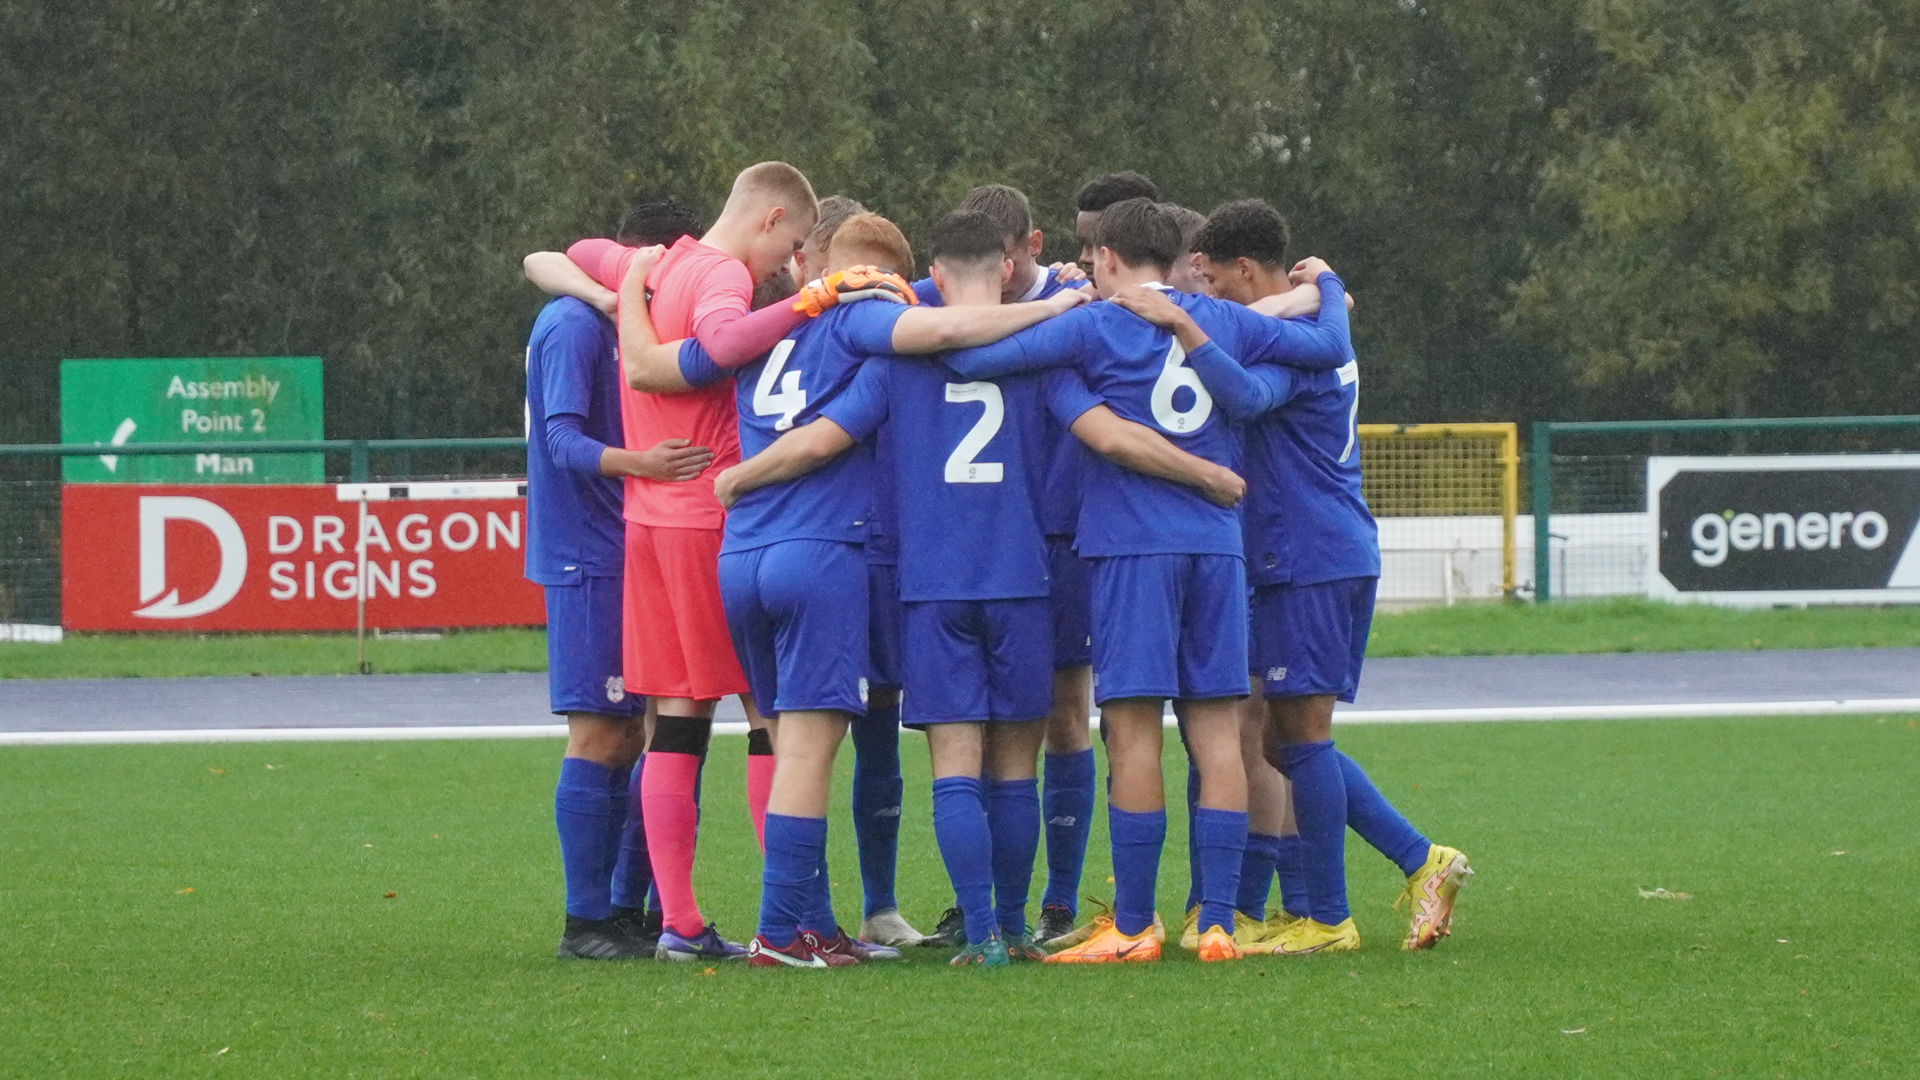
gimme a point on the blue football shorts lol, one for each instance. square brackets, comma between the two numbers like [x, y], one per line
[797, 613]
[883, 625]
[1311, 639]
[977, 660]
[1169, 626]
[1071, 580]
[583, 649]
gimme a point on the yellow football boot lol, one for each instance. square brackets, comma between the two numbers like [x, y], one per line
[1217, 944]
[1190, 929]
[1278, 920]
[1109, 946]
[1432, 890]
[1306, 937]
[1102, 919]
[1253, 936]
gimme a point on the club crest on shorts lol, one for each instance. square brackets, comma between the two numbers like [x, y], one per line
[616, 688]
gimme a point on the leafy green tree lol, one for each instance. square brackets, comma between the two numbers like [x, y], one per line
[1743, 186]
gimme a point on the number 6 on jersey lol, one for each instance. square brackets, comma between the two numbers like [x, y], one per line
[961, 468]
[1175, 374]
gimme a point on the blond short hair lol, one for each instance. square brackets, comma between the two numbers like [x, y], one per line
[869, 239]
[775, 183]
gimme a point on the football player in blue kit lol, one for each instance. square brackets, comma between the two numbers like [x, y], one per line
[1068, 789]
[1169, 584]
[1313, 554]
[574, 462]
[792, 572]
[969, 468]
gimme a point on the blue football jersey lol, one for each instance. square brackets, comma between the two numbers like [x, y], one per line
[1304, 518]
[1067, 457]
[789, 387]
[574, 527]
[1139, 371]
[968, 466]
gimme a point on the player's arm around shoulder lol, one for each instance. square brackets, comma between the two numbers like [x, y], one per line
[1321, 342]
[1240, 393]
[646, 363]
[556, 275]
[853, 414]
[1134, 446]
[923, 329]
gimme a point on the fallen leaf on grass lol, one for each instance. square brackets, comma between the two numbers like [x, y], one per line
[706, 971]
[1780, 940]
[216, 772]
[1839, 853]
[222, 1050]
[183, 892]
[1662, 894]
[1573, 1031]
[390, 895]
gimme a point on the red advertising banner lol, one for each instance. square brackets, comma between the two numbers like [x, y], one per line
[289, 556]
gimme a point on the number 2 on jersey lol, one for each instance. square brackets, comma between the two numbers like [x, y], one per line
[1349, 372]
[1174, 375]
[961, 468]
[789, 398]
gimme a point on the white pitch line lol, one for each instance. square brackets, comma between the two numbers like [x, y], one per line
[1689, 710]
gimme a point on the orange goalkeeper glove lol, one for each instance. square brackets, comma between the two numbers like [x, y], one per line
[853, 283]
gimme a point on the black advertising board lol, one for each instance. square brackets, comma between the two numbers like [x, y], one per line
[1808, 529]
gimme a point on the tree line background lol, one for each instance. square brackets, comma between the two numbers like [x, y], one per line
[1548, 209]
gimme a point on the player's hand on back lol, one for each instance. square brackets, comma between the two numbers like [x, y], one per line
[1309, 269]
[1069, 274]
[724, 487]
[1225, 488]
[671, 461]
[1152, 305]
[853, 283]
[1067, 299]
[644, 260]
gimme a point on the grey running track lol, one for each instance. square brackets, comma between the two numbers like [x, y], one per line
[1402, 687]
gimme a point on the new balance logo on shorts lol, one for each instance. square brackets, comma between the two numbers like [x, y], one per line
[1276, 674]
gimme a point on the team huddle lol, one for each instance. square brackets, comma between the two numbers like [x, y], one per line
[764, 461]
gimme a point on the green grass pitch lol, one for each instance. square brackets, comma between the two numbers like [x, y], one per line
[225, 910]
[1622, 624]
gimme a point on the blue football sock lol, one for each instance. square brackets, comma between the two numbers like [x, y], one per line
[877, 790]
[1288, 863]
[1067, 805]
[1256, 874]
[619, 808]
[1220, 836]
[1378, 823]
[1137, 840]
[795, 846]
[632, 873]
[1013, 817]
[580, 814]
[1193, 849]
[1320, 807]
[819, 917]
[966, 846]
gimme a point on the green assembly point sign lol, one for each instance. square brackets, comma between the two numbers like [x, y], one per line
[109, 403]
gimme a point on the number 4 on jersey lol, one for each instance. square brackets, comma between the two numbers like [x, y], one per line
[961, 468]
[789, 398]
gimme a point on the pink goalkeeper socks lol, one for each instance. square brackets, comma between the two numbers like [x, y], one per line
[671, 819]
[759, 787]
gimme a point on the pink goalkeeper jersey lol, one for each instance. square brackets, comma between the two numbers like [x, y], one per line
[693, 285]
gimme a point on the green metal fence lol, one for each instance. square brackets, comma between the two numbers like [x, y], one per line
[30, 494]
[1587, 483]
